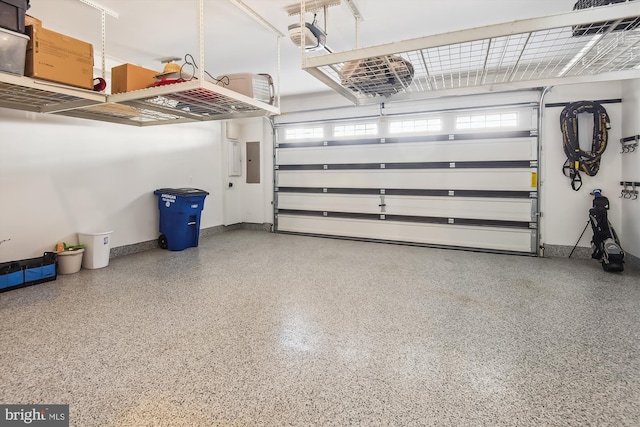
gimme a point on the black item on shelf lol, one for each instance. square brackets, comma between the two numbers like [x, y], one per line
[601, 27]
[12, 14]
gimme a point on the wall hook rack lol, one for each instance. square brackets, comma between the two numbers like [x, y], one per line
[629, 144]
[630, 190]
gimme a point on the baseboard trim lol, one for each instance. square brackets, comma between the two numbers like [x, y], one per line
[204, 232]
[559, 251]
[550, 251]
[133, 248]
[257, 226]
[632, 261]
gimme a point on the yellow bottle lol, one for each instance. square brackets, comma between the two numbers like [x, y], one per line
[60, 247]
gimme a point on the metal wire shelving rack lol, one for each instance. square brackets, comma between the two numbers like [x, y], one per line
[596, 44]
[190, 101]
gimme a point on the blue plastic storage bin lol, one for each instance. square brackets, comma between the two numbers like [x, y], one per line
[32, 271]
[11, 275]
[40, 269]
[180, 210]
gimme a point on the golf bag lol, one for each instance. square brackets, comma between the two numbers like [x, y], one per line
[605, 243]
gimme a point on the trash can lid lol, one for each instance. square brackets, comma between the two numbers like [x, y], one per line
[181, 191]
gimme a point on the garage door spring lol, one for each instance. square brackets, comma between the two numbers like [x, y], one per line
[579, 160]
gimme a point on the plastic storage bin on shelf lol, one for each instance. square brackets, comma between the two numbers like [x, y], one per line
[180, 210]
[97, 249]
[13, 51]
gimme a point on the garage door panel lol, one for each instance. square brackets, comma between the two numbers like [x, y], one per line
[461, 177]
[518, 240]
[449, 179]
[439, 151]
[446, 207]
[329, 202]
[477, 208]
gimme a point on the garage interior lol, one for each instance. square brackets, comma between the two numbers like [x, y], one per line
[385, 239]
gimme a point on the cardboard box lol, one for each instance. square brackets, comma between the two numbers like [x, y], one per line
[128, 77]
[58, 58]
[30, 20]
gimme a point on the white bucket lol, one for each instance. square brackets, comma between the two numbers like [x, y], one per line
[98, 246]
[69, 262]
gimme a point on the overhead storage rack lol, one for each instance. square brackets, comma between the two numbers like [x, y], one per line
[189, 101]
[588, 45]
[176, 103]
[28, 94]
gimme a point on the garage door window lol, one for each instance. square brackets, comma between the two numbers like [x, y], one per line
[412, 126]
[355, 130]
[304, 133]
[484, 121]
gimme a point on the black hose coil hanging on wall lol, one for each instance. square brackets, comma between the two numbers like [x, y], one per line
[577, 159]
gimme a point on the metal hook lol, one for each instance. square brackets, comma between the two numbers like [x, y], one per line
[629, 144]
[630, 190]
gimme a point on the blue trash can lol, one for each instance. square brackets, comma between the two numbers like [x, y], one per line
[180, 210]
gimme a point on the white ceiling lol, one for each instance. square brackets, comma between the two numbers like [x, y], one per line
[234, 43]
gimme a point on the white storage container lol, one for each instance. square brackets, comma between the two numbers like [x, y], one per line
[69, 262]
[13, 51]
[256, 86]
[98, 246]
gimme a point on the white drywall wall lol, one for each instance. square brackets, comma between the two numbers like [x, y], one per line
[60, 176]
[313, 101]
[630, 232]
[232, 184]
[257, 198]
[564, 211]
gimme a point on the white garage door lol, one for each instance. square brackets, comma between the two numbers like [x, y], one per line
[463, 178]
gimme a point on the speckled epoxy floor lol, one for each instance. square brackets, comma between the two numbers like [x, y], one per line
[257, 329]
